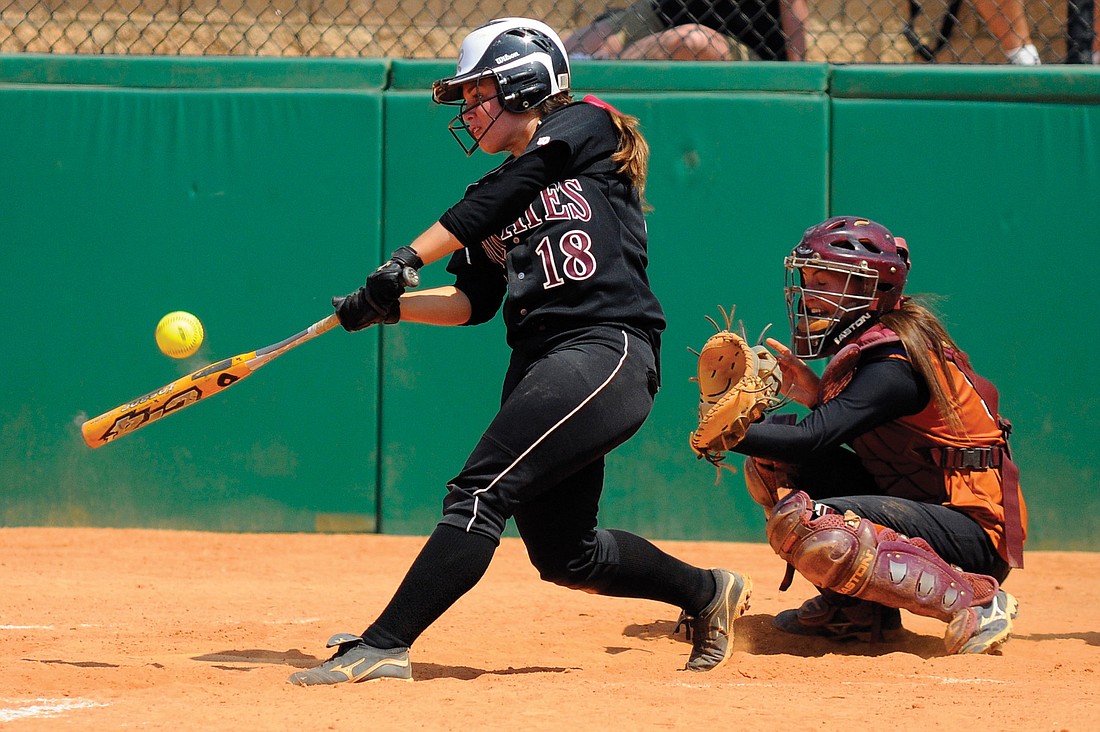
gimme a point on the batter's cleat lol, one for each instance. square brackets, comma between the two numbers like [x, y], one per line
[355, 661]
[982, 629]
[711, 632]
[819, 616]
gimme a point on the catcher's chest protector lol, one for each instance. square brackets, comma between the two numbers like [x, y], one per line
[922, 458]
[842, 366]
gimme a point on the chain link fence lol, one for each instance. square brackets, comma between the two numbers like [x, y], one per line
[836, 31]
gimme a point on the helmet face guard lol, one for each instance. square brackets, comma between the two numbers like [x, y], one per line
[525, 59]
[841, 277]
[823, 316]
[458, 124]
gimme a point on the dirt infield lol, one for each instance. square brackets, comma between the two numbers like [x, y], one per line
[118, 629]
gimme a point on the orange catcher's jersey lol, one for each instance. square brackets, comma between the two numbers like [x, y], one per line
[921, 457]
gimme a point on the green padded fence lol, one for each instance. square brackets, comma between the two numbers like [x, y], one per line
[248, 206]
[249, 191]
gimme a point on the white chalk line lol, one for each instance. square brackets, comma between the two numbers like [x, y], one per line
[953, 680]
[769, 684]
[50, 627]
[43, 708]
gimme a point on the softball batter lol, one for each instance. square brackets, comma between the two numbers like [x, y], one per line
[555, 237]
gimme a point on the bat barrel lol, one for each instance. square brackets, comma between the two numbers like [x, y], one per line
[170, 398]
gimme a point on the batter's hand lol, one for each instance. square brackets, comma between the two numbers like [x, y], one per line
[360, 310]
[800, 382]
[379, 299]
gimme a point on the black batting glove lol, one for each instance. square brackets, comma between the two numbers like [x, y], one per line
[387, 284]
[406, 257]
[357, 312]
[379, 299]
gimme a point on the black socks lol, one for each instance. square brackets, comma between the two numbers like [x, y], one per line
[450, 564]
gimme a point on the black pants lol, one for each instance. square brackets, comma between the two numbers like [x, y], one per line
[566, 404]
[541, 460]
[839, 480]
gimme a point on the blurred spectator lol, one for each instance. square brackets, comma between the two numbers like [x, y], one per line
[1082, 32]
[1008, 23]
[1096, 34]
[695, 30]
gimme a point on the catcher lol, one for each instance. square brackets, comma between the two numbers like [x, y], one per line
[897, 491]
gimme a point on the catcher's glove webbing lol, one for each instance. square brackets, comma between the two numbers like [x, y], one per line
[738, 383]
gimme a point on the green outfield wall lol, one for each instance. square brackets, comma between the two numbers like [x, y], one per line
[249, 191]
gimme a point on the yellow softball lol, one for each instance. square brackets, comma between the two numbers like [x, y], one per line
[179, 334]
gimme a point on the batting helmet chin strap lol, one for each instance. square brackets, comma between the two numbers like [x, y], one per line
[850, 555]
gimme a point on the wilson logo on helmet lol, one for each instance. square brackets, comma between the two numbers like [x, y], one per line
[525, 59]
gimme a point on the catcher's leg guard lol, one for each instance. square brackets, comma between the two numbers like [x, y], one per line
[765, 479]
[839, 617]
[850, 555]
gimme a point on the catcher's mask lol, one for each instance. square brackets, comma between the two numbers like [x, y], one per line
[844, 273]
[525, 59]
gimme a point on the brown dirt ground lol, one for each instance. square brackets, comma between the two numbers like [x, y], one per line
[117, 629]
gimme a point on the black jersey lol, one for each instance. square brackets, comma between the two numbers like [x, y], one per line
[557, 235]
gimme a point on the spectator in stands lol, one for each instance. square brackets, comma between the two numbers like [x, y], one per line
[1096, 33]
[1007, 21]
[695, 30]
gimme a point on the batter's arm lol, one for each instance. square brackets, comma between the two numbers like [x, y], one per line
[445, 305]
[439, 305]
[435, 243]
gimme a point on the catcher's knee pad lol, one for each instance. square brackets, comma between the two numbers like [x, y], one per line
[850, 555]
[764, 479]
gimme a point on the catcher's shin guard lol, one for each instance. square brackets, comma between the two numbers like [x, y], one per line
[850, 555]
[764, 479]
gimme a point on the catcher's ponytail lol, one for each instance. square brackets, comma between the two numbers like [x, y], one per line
[925, 339]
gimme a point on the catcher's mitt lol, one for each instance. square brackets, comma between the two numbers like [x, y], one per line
[738, 383]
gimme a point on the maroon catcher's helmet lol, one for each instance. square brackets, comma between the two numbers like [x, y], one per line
[844, 273]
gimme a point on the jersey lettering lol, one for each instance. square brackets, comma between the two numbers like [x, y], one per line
[578, 204]
[551, 201]
[574, 206]
[551, 278]
[563, 201]
[494, 249]
[579, 262]
[529, 220]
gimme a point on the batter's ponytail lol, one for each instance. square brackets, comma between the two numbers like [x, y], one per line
[633, 153]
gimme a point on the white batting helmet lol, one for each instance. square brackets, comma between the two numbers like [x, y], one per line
[525, 57]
